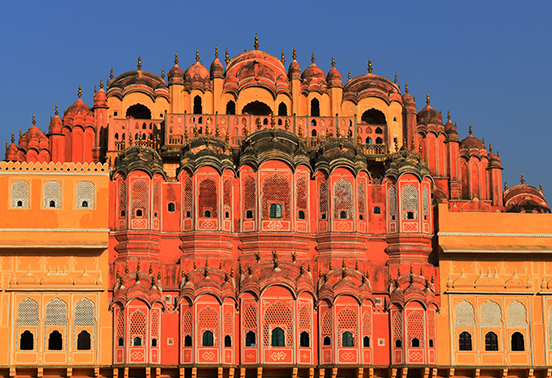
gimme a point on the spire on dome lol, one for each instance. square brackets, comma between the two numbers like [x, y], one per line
[333, 62]
[197, 55]
[111, 74]
[57, 112]
[226, 57]
[175, 58]
[427, 98]
[395, 78]
[34, 120]
[490, 147]
[216, 52]
[294, 53]
[256, 45]
[470, 130]
[369, 65]
[80, 92]
[349, 75]
[101, 83]
[283, 58]
[505, 185]
[139, 63]
[312, 58]
[540, 187]
[163, 73]
[95, 89]
[405, 87]
[13, 137]
[522, 179]
[448, 115]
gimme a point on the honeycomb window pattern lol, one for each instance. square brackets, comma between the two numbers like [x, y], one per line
[392, 200]
[397, 326]
[120, 325]
[188, 197]
[56, 313]
[122, 197]
[304, 317]
[208, 198]
[361, 198]
[425, 200]
[208, 321]
[464, 315]
[27, 313]
[409, 201]
[187, 323]
[249, 195]
[137, 326]
[227, 194]
[52, 195]
[140, 197]
[326, 324]
[517, 315]
[366, 323]
[415, 327]
[302, 193]
[84, 313]
[228, 323]
[343, 199]
[431, 325]
[550, 328]
[155, 324]
[156, 198]
[85, 195]
[323, 197]
[278, 315]
[20, 195]
[491, 315]
[250, 318]
[276, 189]
[347, 321]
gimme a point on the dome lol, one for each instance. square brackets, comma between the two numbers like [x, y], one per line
[525, 199]
[100, 98]
[139, 158]
[313, 78]
[137, 77]
[197, 76]
[313, 71]
[371, 85]
[78, 114]
[216, 70]
[472, 142]
[429, 116]
[176, 76]
[56, 125]
[450, 130]
[34, 138]
[334, 77]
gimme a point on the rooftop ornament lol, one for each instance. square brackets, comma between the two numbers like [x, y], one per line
[369, 65]
[256, 45]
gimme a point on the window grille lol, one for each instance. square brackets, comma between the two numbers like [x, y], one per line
[426, 200]
[84, 313]
[302, 193]
[27, 313]
[156, 198]
[208, 321]
[250, 318]
[20, 194]
[343, 198]
[188, 198]
[516, 315]
[304, 317]
[431, 325]
[392, 200]
[208, 197]
[227, 193]
[490, 315]
[465, 341]
[550, 328]
[366, 323]
[139, 197]
[326, 324]
[278, 314]
[85, 195]
[415, 327]
[56, 313]
[464, 315]
[52, 195]
[276, 190]
[138, 326]
[409, 201]
[249, 195]
[323, 198]
[154, 324]
[120, 325]
[361, 198]
[122, 197]
[228, 323]
[397, 327]
[347, 321]
[491, 341]
[187, 323]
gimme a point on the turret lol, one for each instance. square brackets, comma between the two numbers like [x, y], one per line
[100, 120]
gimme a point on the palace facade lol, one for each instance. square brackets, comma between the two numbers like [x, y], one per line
[256, 220]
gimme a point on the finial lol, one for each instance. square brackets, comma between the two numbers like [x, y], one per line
[163, 73]
[427, 98]
[333, 62]
[498, 154]
[312, 57]
[139, 63]
[522, 179]
[20, 132]
[175, 58]
[405, 87]
[256, 45]
[294, 53]
[540, 187]
[34, 120]
[226, 57]
[369, 65]
[448, 115]
[197, 55]
[111, 74]
[216, 52]
[80, 92]
[57, 112]
[286, 124]
[95, 89]
[101, 83]
[490, 147]
[13, 137]
[283, 58]
[483, 141]
[470, 130]
[396, 78]
[505, 185]
[349, 75]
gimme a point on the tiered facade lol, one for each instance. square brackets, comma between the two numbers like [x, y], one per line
[254, 220]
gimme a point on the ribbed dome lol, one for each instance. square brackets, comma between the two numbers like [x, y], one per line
[100, 99]
[56, 125]
[313, 71]
[216, 70]
[294, 71]
[196, 72]
[428, 116]
[472, 142]
[78, 114]
[334, 78]
[176, 76]
[137, 77]
[450, 129]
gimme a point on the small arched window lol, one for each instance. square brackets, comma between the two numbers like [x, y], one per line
[278, 337]
[491, 341]
[83, 341]
[379, 140]
[366, 342]
[327, 340]
[137, 341]
[19, 203]
[249, 214]
[398, 343]
[26, 342]
[282, 109]
[304, 339]
[171, 207]
[379, 130]
[208, 340]
[55, 341]
[250, 339]
[231, 107]
[368, 140]
[415, 343]
[139, 213]
[153, 342]
[409, 215]
[347, 339]
[226, 214]
[518, 344]
[343, 214]
[188, 341]
[431, 343]
[313, 123]
[227, 341]
[313, 132]
[84, 204]
[465, 341]
[315, 108]
[121, 342]
[275, 210]
[207, 213]
[377, 210]
[301, 214]
[198, 107]
[116, 136]
[52, 203]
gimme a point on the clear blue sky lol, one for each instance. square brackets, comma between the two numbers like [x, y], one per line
[488, 62]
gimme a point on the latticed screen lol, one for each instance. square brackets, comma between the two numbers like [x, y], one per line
[397, 327]
[490, 315]
[425, 201]
[276, 189]
[250, 318]
[415, 327]
[347, 321]
[302, 194]
[208, 321]
[27, 313]
[326, 324]
[155, 324]
[139, 197]
[187, 323]
[208, 198]
[278, 315]
[409, 201]
[85, 195]
[361, 198]
[343, 199]
[56, 313]
[249, 195]
[122, 197]
[188, 198]
[228, 324]
[20, 195]
[392, 200]
[366, 323]
[227, 193]
[464, 315]
[137, 325]
[84, 313]
[323, 198]
[516, 315]
[52, 195]
[156, 197]
[304, 317]
[120, 325]
[431, 325]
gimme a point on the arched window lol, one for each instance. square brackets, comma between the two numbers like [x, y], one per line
[26, 342]
[257, 108]
[313, 123]
[313, 132]
[121, 342]
[275, 210]
[373, 116]
[139, 213]
[398, 344]
[368, 140]
[138, 111]
[226, 214]
[491, 341]
[347, 339]
[327, 341]
[153, 342]
[52, 194]
[377, 210]
[208, 340]
[415, 343]
[278, 337]
[20, 194]
[83, 341]
[137, 341]
[282, 109]
[249, 214]
[431, 343]
[227, 341]
[517, 342]
[188, 341]
[171, 207]
[379, 140]
[85, 194]
[379, 130]
[304, 339]
[198, 108]
[55, 341]
[315, 108]
[343, 215]
[366, 342]
[301, 214]
[250, 339]
[207, 214]
[231, 107]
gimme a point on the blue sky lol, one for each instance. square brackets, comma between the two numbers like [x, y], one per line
[488, 62]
